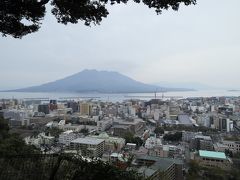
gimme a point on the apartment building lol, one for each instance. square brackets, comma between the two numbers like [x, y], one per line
[233, 146]
[66, 137]
[155, 168]
[90, 147]
[135, 126]
[200, 142]
[111, 143]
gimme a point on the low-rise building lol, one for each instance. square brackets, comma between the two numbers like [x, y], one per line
[111, 143]
[153, 142]
[133, 125]
[166, 151]
[185, 120]
[188, 136]
[41, 139]
[16, 117]
[220, 147]
[233, 146]
[213, 159]
[77, 128]
[90, 147]
[66, 137]
[200, 142]
[104, 124]
[120, 130]
[154, 168]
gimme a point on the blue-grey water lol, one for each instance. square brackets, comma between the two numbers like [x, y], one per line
[118, 97]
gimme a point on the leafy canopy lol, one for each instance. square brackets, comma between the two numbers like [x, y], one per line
[12, 144]
[21, 17]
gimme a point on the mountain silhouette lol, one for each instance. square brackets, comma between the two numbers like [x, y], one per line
[96, 81]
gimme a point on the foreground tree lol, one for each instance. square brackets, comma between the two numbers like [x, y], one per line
[60, 167]
[130, 138]
[21, 161]
[173, 137]
[12, 144]
[21, 17]
[159, 130]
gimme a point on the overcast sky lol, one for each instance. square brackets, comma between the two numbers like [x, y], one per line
[195, 44]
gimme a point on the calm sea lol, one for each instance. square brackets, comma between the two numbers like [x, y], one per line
[118, 97]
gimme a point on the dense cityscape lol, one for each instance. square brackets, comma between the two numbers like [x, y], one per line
[191, 138]
[119, 90]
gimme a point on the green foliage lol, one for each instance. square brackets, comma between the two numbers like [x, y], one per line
[15, 156]
[20, 161]
[138, 141]
[61, 167]
[84, 131]
[12, 144]
[193, 171]
[235, 173]
[91, 123]
[13, 12]
[130, 138]
[229, 153]
[236, 155]
[173, 137]
[99, 170]
[197, 172]
[54, 132]
[159, 130]
[4, 128]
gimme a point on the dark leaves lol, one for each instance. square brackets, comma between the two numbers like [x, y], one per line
[13, 14]
[74, 10]
[21, 17]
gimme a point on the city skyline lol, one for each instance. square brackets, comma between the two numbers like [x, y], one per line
[119, 89]
[195, 44]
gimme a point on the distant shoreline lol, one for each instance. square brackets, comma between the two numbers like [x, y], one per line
[99, 92]
[119, 96]
[233, 90]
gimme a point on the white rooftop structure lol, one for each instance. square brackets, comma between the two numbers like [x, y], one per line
[88, 140]
[62, 122]
[68, 132]
[203, 137]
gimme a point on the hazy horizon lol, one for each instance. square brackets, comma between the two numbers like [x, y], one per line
[186, 85]
[197, 44]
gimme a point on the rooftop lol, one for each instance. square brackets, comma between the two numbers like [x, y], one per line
[146, 171]
[121, 126]
[203, 137]
[184, 119]
[212, 154]
[155, 158]
[68, 132]
[161, 164]
[88, 140]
